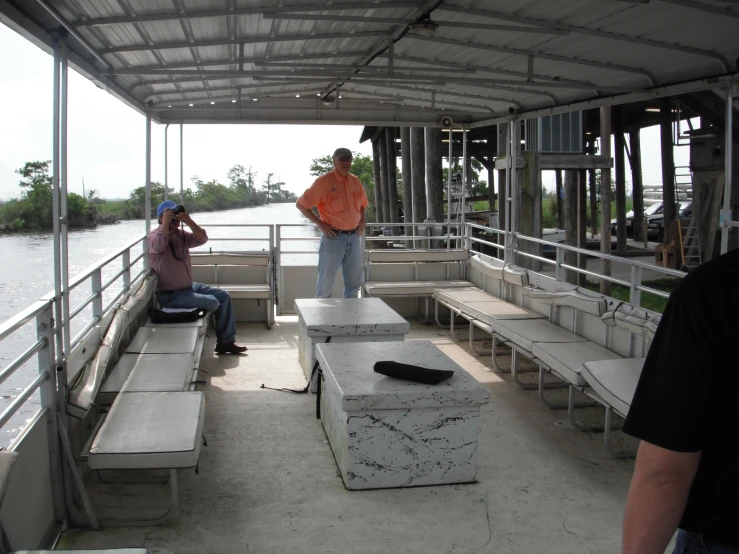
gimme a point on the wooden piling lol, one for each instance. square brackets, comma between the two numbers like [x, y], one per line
[379, 216]
[570, 215]
[392, 178]
[637, 183]
[668, 161]
[405, 158]
[434, 175]
[560, 200]
[418, 174]
[620, 163]
[382, 144]
[605, 199]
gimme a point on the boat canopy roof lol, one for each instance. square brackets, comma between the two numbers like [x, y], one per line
[396, 63]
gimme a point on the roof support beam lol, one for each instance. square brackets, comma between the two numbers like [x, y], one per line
[228, 42]
[196, 14]
[703, 7]
[596, 32]
[405, 21]
[519, 52]
[434, 94]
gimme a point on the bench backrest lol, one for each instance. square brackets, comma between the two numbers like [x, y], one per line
[233, 268]
[406, 256]
[231, 258]
[490, 267]
[125, 320]
[630, 318]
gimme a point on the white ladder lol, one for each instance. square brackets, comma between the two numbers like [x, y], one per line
[690, 247]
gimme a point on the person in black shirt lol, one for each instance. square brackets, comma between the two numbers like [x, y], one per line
[686, 411]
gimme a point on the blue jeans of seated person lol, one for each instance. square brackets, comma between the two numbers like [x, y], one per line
[340, 251]
[693, 543]
[207, 298]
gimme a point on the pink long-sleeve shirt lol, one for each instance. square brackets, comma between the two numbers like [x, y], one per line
[173, 272]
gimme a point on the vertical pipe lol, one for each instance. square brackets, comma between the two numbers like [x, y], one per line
[728, 159]
[560, 199]
[449, 183]
[55, 171]
[507, 222]
[379, 216]
[392, 182]
[637, 183]
[571, 229]
[502, 141]
[668, 163]
[464, 170]
[434, 175]
[405, 158]
[182, 165]
[620, 163]
[166, 159]
[382, 145]
[418, 173]
[147, 205]
[515, 143]
[63, 211]
[605, 199]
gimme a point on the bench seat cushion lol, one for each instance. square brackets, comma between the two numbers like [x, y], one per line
[614, 381]
[490, 311]
[456, 297]
[410, 288]
[241, 292]
[566, 359]
[524, 333]
[150, 430]
[149, 373]
[163, 340]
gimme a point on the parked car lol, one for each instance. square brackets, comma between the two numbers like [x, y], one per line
[655, 220]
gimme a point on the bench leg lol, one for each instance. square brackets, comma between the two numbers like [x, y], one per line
[171, 513]
[494, 354]
[528, 386]
[571, 415]
[425, 319]
[269, 314]
[471, 336]
[77, 517]
[607, 439]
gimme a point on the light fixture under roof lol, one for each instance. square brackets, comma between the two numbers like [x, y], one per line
[233, 101]
[190, 105]
[424, 26]
[254, 99]
[297, 96]
[212, 103]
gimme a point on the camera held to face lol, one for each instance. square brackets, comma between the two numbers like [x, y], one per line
[178, 209]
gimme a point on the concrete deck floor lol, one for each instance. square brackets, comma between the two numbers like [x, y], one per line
[268, 481]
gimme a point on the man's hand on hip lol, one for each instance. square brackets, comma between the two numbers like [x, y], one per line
[327, 229]
[360, 227]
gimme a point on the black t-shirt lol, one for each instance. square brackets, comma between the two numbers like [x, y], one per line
[687, 399]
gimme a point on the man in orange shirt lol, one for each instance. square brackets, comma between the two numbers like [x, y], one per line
[341, 201]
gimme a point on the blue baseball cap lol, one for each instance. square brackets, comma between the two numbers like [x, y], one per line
[167, 204]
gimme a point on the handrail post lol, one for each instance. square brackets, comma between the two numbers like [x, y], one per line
[51, 394]
[126, 262]
[278, 265]
[96, 284]
[559, 273]
[635, 293]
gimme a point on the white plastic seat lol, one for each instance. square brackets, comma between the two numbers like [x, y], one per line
[490, 311]
[566, 359]
[457, 297]
[240, 292]
[148, 373]
[410, 288]
[524, 333]
[162, 340]
[150, 430]
[200, 323]
[614, 381]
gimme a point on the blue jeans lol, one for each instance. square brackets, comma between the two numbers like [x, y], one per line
[340, 251]
[693, 543]
[208, 298]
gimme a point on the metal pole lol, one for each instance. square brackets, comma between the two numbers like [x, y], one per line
[182, 171]
[449, 193]
[64, 215]
[507, 222]
[55, 171]
[166, 158]
[147, 205]
[728, 155]
[464, 169]
[514, 185]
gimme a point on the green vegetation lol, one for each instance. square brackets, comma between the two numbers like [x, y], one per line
[648, 300]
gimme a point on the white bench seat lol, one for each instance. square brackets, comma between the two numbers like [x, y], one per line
[566, 359]
[614, 381]
[490, 311]
[163, 340]
[457, 297]
[200, 323]
[410, 288]
[240, 292]
[148, 373]
[524, 333]
[150, 430]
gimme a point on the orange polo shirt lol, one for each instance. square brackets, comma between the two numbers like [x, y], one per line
[338, 199]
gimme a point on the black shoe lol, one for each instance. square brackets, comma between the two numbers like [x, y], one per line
[229, 348]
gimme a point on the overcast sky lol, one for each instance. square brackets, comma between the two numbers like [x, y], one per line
[107, 138]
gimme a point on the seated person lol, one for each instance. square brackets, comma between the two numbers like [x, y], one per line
[169, 259]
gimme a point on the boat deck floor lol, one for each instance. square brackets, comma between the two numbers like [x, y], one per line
[268, 481]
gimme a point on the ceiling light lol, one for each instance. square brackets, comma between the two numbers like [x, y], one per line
[253, 99]
[424, 27]
[341, 96]
[318, 94]
[190, 105]
[233, 101]
[169, 106]
[297, 96]
[212, 103]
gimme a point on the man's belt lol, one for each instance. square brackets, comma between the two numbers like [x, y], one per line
[342, 232]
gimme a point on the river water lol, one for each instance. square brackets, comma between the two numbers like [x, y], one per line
[27, 274]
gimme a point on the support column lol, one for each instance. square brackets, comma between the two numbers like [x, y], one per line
[605, 199]
[582, 223]
[405, 158]
[392, 183]
[620, 162]
[529, 222]
[560, 200]
[570, 215]
[502, 132]
[728, 168]
[166, 164]
[418, 174]
[637, 183]
[434, 175]
[491, 175]
[379, 216]
[182, 164]
[56, 208]
[63, 194]
[382, 146]
[668, 162]
[593, 194]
